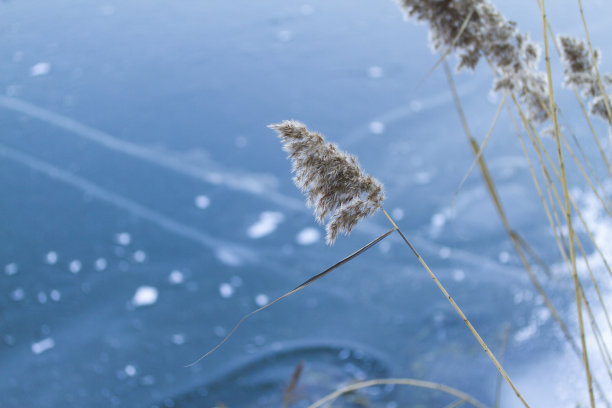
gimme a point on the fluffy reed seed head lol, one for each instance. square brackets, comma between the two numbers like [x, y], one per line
[331, 179]
[581, 74]
[487, 34]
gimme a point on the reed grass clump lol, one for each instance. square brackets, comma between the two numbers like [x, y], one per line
[581, 74]
[342, 194]
[333, 181]
[473, 30]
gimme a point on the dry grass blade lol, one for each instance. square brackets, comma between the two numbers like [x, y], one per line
[478, 155]
[501, 358]
[567, 206]
[296, 289]
[398, 381]
[456, 404]
[290, 390]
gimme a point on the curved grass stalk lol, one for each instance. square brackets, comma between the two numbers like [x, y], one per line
[397, 381]
[295, 290]
[458, 310]
[456, 404]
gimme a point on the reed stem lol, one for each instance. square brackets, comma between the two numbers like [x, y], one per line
[567, 209]
[459, 311]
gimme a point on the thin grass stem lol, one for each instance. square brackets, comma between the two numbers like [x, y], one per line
[397, 381]
[567, 207]
[295, 290]
[514, 237]
[459, 311]
[501, 358]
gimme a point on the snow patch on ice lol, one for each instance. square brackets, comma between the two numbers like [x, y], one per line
[145, 296]
[43, 345]
[267, 223]
[308, 236]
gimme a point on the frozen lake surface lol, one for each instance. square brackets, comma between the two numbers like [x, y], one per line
[145, 207]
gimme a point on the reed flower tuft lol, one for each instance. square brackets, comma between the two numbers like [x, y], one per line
[487, 34]
[581, 74]
[333, 181]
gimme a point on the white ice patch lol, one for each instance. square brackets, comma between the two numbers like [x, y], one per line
[176, 277]
[526, 332]
[226, 290]
[458, 275]
[51, 257]
[55, 295]
[145, 296]
[202, 201]
[42, 68]
[398, 214]
[376, 127]
[75, 266]
[308, 236]
[11, 269]
[438, 220]
[178, 339]
[100, 264]
[375, 72]
[445, 252]
[43, 345]
[130, 370]
[422, 178]
[18, 294]
[261, 300]
[140, 256]
[267, 223]
[228, 257]
[123, 238]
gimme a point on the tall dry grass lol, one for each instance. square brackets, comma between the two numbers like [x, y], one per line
[475, 32]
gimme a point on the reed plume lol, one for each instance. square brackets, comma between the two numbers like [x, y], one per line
[473, 29]
[581, 74]
[332, 179]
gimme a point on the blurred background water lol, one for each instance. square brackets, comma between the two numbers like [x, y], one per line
[145, 207]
